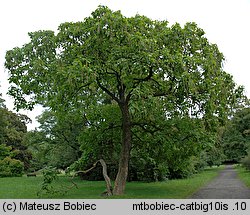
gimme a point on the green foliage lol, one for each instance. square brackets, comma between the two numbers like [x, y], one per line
[101, 139]
[172, 150]
[56, 143]
[136, 81]
[215, 156]
[244, 174]
[236, 138]
[246, 162]
[4, 151]
[12, 150]
[1, 101]
[199, 162]
[36, 143]
[13, 131]
[11, 167]
[184, 138]
[241, 120]
[49, 176]
[146, 168]
[109, 55]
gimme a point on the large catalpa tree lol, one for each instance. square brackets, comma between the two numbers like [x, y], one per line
[136, 63]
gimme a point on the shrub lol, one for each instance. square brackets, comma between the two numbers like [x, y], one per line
[146, 169]
[181, 169]
[246, 162]
[200, 161]
[4, 151]
[11, 167]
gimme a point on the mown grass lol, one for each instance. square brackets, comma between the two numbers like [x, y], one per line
[27, 188]
[243, 174]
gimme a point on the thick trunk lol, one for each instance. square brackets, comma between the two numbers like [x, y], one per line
[121, 178]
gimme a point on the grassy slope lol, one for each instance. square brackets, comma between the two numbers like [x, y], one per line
[27, 187]
[244, 175]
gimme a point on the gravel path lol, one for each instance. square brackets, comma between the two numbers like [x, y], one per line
[225, 186]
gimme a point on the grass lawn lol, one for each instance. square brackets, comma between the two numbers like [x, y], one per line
[27, 187]
[243, 174]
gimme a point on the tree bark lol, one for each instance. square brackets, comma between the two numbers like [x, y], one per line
[105, 175]
[121, 178]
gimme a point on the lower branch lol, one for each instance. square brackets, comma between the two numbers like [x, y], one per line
[109, 191]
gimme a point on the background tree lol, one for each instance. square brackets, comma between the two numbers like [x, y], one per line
[137, 63]
[14, 132]
[14, 156]
[2, 120]
[55, 142]
[236, 136]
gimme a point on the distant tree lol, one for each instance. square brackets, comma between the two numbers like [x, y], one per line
[13, 154]
[37, 144]
[12, 130]
[4, 151]
[1, 101]
[64, 129]
[55, 142]
[137, 63]
[236, 137]
[2, 120]
[241, 120]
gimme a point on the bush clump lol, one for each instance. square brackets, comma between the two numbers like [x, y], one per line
[10, 167]
[246, 162]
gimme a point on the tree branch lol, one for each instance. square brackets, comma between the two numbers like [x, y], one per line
[150, 75]
[159, 94]
[151, 131]
[69, 142]
[119, 85]
[140, 80]
[134, 134]
[112, 127]
[112, 95]
[104, 172]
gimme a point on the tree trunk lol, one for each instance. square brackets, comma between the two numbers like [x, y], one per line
[121, 178]
[106, 177]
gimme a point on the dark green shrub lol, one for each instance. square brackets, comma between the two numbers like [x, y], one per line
[181, 169]
[246, 162]
[200, 161]
[11, 167]
[4, 151]
[215, 156]
[146, 169]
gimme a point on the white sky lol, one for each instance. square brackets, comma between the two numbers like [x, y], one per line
[226, 23]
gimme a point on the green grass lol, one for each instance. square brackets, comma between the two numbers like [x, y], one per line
[243, 174]
[27, 187]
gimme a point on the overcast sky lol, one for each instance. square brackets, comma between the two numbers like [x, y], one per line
[226, 23]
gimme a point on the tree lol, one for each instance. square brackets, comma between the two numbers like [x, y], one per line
[2, 120]
[12, 130]
[13, 133]
[136, 63]
[13, 154]
[64, 129]
[236, 136]
[1, 101]
[55, 142]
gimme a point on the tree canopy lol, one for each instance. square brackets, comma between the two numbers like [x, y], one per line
[236, 136]
[55, 142]
[14, 156]
[147, 70]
